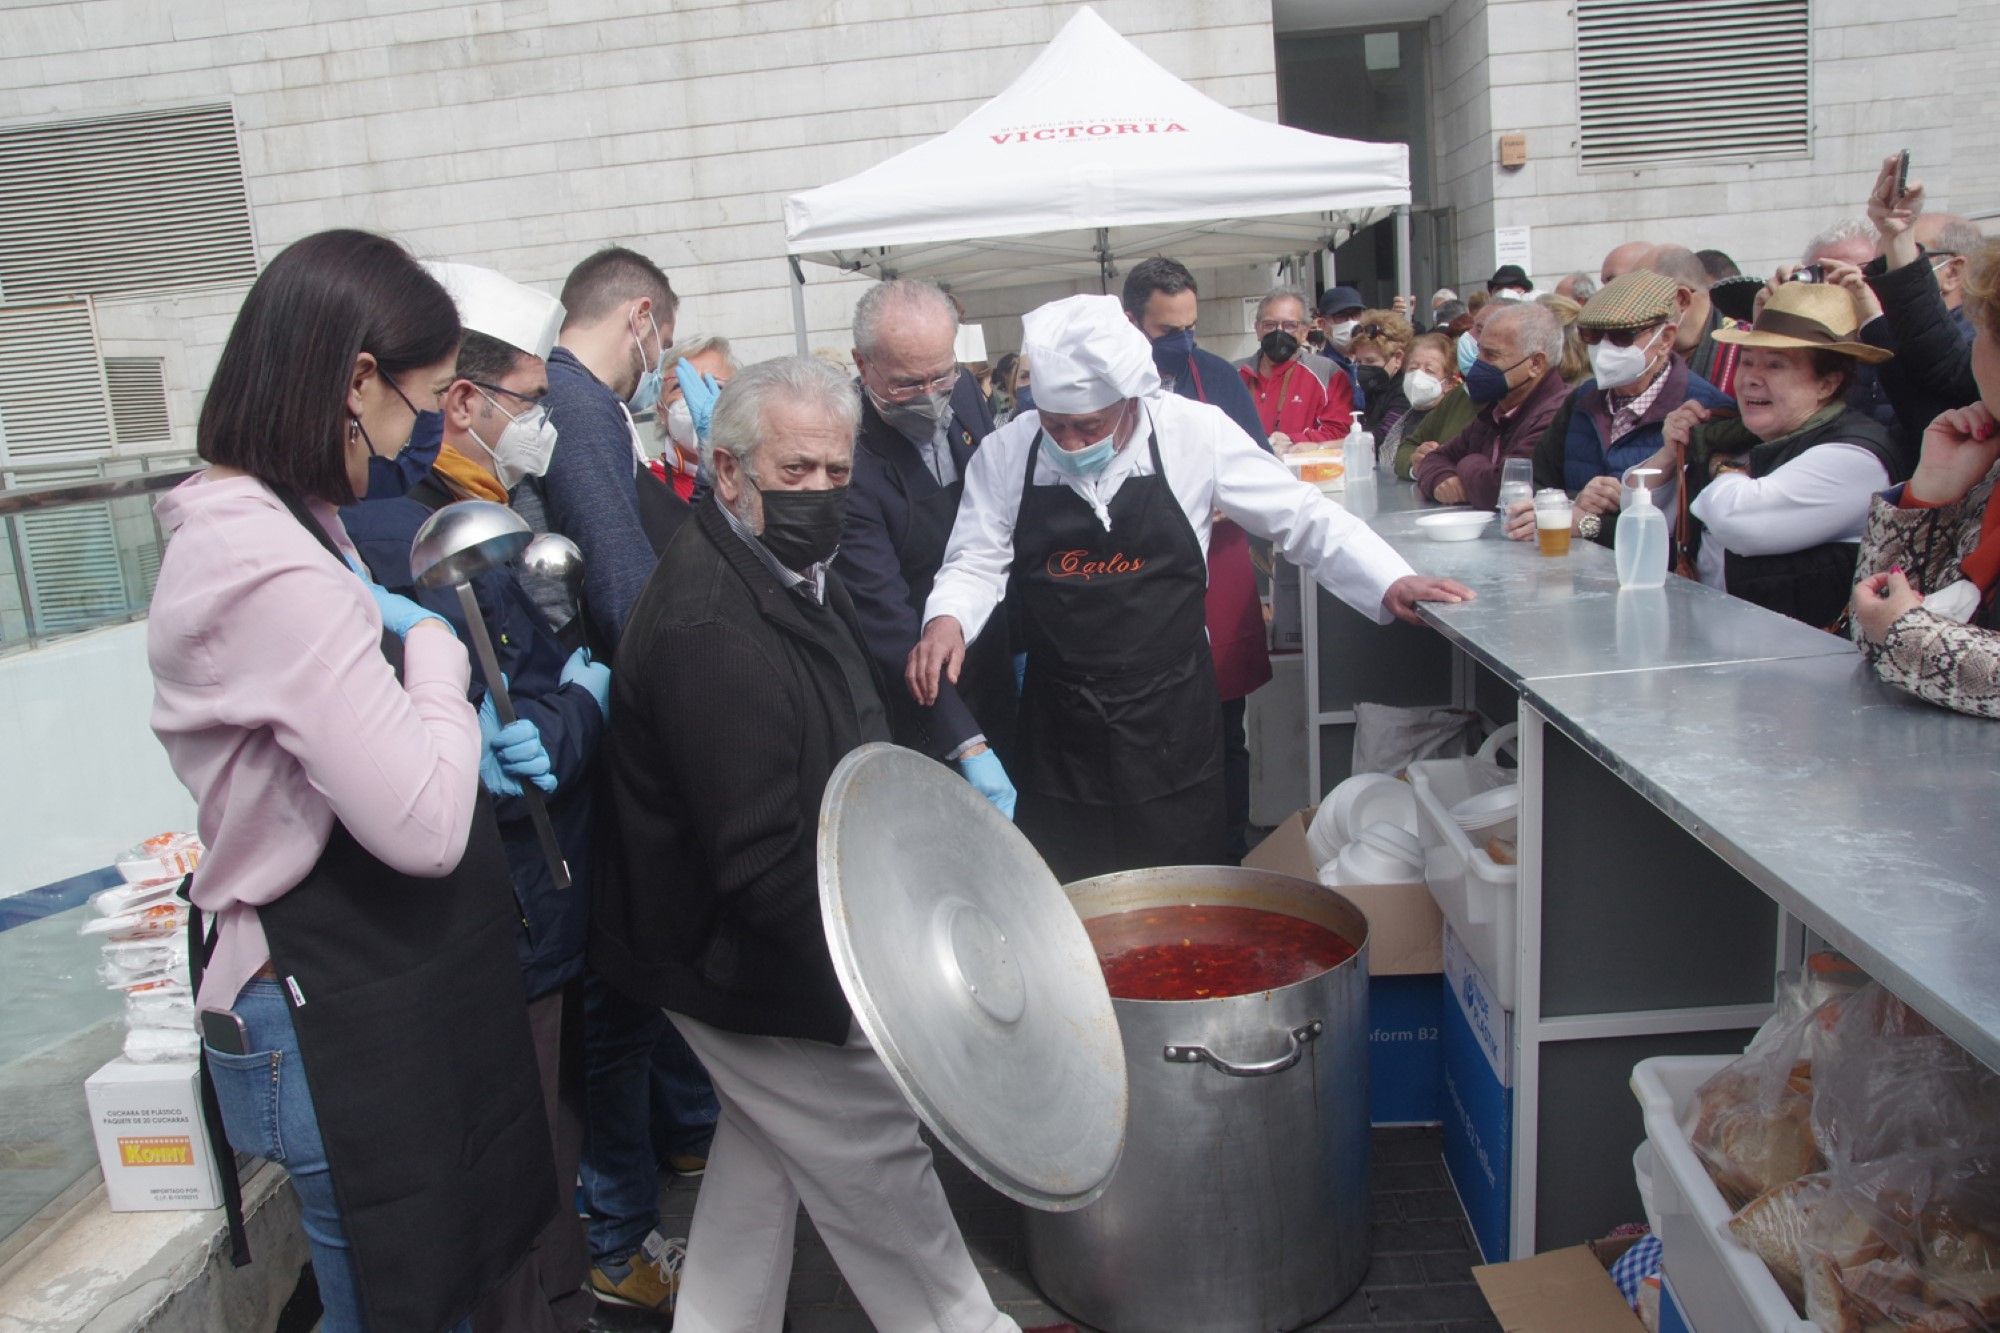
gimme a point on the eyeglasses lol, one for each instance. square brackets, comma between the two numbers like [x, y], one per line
[1617, 337]
[1374, 331]
[909, 393]
[1291, 326]
[530, 398]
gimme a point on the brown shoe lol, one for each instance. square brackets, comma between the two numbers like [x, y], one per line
[649, 1278]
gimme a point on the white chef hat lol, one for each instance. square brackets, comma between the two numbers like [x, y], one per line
[499, 307]
[1084, 355]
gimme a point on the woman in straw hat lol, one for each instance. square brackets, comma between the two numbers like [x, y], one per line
[1925, 613]
[1780, 495]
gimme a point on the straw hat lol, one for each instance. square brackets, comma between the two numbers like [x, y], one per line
[1811, 315]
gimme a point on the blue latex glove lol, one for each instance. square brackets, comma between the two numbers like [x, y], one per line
[512, 752]
[989, 779]
[1020, 674]
[593, 676]
[400, 615]
[700, 390]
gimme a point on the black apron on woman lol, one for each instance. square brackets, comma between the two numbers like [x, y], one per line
[406, 996]
[986, 680]
[1119, 737]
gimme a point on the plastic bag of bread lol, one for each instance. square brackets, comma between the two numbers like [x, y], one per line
[1911, 1241]
[1751, 1124]
[1772, 1226]
[1888, 1082]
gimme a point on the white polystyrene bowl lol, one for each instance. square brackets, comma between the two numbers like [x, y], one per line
[1460, 525]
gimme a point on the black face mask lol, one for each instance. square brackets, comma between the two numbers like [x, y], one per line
[802, 528]
[1373, 379]
[1279, 346]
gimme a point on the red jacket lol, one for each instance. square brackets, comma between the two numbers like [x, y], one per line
[1295, 400]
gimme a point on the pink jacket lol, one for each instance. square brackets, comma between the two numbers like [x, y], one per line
[280, 714]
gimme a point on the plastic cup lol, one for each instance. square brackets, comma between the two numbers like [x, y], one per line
[1552, 520]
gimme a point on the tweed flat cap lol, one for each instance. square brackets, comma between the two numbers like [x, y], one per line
[1630, 301]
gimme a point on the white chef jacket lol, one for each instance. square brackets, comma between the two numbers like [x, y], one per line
[1211, 464]
[1821, 496]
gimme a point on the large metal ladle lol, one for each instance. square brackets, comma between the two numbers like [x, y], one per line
[555, 557]
[454, 546]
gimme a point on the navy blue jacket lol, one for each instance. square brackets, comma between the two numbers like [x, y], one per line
[889, 475]
[554, 923]
[1571, 453]
[1220, 385]
[590, 493]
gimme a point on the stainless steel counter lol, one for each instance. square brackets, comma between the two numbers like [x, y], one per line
[1863, 812]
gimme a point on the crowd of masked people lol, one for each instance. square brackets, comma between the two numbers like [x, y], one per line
[1822, 440]
[476, 1059]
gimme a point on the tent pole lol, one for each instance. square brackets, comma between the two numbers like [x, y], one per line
[798, 303]
[1403, 251]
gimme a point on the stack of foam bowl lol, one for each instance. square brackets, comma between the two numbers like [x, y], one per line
[1365, 833]
[1490, 814]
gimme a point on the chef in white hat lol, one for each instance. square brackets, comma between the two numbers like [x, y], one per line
[1099, 504]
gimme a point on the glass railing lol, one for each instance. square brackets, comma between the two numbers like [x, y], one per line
[79, 546]
[79, 550]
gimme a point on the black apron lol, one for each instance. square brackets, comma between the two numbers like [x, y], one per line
[406, 995]
[1119, 710]
[986, 680]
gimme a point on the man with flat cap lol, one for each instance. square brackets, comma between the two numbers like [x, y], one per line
[1615, 420]
[1099, 505]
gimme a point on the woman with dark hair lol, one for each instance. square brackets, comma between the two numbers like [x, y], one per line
[362, 1013]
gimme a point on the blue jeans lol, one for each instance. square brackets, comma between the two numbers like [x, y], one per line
[628, 1092]
[268, 1112]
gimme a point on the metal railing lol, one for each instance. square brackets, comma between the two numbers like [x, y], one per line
[80, 553]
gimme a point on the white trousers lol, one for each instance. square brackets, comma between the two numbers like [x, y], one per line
[803, 1120]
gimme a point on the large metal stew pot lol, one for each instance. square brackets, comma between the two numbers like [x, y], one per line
[1241, 1201]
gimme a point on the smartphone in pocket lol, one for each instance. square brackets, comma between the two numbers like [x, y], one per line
[222, 1031]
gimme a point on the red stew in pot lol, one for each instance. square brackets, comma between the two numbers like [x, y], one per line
[1206, 953]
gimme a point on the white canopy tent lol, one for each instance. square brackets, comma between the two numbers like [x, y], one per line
[1093, 157]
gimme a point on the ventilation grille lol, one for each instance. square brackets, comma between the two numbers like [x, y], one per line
[52, 397]
[1693, 80]
[139, 203]
[138, 388]
[75, 576]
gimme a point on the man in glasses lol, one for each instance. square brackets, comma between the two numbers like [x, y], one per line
[1615, 420]
[497, 432]
[921, 419]
[1300, 400]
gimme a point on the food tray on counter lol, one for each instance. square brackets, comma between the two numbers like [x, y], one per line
[1722, 1287]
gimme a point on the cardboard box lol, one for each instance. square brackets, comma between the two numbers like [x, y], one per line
[1562, 1291]
[150, 1140]
[1478, 1048]
[1405, 990]
[1405, 928]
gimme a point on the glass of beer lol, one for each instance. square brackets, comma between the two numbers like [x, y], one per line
[1552, 520]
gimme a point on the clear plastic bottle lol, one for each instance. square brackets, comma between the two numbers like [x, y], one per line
[1640, 547]
[1357, 453]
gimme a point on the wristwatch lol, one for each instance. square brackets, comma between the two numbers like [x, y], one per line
[1589, 526]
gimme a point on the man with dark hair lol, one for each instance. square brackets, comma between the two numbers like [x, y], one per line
[1160, 298]
[608, 364]
[496, 432]
[598, 492]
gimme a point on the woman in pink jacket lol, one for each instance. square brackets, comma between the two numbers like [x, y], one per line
[362, 1012]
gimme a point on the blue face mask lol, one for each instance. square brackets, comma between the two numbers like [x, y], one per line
[1468, 352]
[1486, 383]
[1085, 462]
[1173, 348]
[389, 478]
[650, 381]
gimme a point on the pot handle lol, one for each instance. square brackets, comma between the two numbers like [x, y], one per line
[1201, 1055]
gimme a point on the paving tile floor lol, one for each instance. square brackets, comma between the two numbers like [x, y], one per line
[1420, 1280]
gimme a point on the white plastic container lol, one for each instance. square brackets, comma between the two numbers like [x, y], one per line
[1722, 1287]
[1640, 545]
[1477, 895]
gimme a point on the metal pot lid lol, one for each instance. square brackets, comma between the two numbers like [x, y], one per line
[973, 977]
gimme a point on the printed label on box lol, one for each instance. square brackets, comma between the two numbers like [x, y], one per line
[1491, 1026]
[1405, 1055]
[174, 1150]
[1478, 1133]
